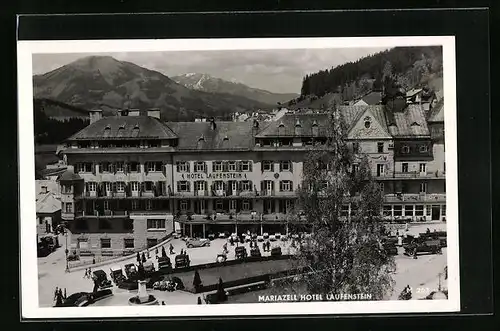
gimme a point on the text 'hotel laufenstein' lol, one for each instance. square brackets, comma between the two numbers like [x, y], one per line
[131, 177]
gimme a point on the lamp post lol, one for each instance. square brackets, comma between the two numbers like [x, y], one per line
[66, 251]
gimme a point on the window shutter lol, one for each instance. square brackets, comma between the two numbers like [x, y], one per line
[189, 186]
[93, 168]
[128, 189]
[250, 166]
[272, 185]
[188, 204]
[224, 166]
[146, 167]
[291, 185]
[143, 186]
[238, 165]
[114, 186]
[281, 185]
[262, 185]
[177, 166]
[281, 166]
[262, 166]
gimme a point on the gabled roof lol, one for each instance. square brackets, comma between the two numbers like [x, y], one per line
[51, 185]
[69, 175]
[437, 112]
[408, 123]
[47, 203]
[372, 98]
[413, 92]
[53, 172]
[200, 136]
[352, 114]
[125, 127]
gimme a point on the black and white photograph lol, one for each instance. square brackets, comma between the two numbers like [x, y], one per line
[238, 177]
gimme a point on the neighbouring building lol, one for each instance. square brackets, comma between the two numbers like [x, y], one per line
[370, 99]
[48, 206]
[130, 178]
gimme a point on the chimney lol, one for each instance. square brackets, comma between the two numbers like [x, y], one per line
[154, 112]
[95, 115]
[255, 127]
[212, 124]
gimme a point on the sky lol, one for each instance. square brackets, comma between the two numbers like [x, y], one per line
[279, 71]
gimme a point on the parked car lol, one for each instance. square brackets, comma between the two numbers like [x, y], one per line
[148, 268]
[436, 235]
[277, 235]
[182, 261]
[211, 236]
[272, 237]
[221, 257]
[164, 263]
[390, 248]
[284, 237]
[276, 251]
[240, 252]
[131, 271]
[247, 237]
[101, 279]
[198, 242]
[254, 236]
[116, 274]
[295, 236]
[255, 252]
[222, 235]
[260, 238]
[265, 235]
[423, 246]
[234, 236]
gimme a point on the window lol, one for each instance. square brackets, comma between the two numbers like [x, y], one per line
[128, 243]
[368, 122]
[91, 186]
[423, 187]
[355, 147]
[245, 166]
[380, 170]
[232, 204]
[267, 165]
[183, 205]
[428, 211]
[423, 149]
[231, 166]
[381, 187]
[104, 224]
[408, 210]
[69, 207]
[153, 166]
[419, 210]
[245, 205]
[398, 210]
[134, 166]
[182, 166]
[443, 210]
[199, 167]
[148, 186]
[156, 224]
[246, 185]
[387, 210]
[105, 167]
[405, 149]
[149, 204]
[120, 187]
[67, 188]
[154, 143]
[355, 168]
[105, 243]
[422, 167]
[183, 186]
[200, 185]
[286, 186]
[134, 186]
[217, 166]
[285, 166]
[84, 167]
[128, 224]
[380, 147]
[404, 167]
[219, 205]
[106, 205]
[218, 185]
[135, 204]
[119, 166]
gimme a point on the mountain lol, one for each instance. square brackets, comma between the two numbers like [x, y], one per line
[404, 67]
[207, 83]
[108, 84]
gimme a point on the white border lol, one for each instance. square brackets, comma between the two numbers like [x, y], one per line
[29, 279]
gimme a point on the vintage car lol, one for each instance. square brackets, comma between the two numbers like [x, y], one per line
[198, 242]
[277, 235]
[254, 236]
[116, 274]
[211, 236]
[240, 252]
[272, 237]
[222, 235]
[255, 251]
[235, 237]
[101, 280]
[390, 248]
[182, 261]
[436, 235]
[164, 263]
[420, 245]
[276, 251]
[260, 238]
[131, 271]
[284, 237]
[265, 235]
[149, 268]
[221, 257]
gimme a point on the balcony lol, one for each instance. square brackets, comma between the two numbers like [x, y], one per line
[419, 175]
[201, 193]
[412, 197]
[124, 194]
[105, 214]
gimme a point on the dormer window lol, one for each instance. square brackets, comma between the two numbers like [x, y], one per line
[107, 131]
[368, 122]
[315, 128]
[226, 138]
[415, 124]
[298, 128]
[201, 138]
[135, 130]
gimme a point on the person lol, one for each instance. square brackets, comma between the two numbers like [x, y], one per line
[428, 230]
[225, 248]
[61, 293]
[93, 260]
[86, 273]
[163, 303]
[171, 248]
[56, 292]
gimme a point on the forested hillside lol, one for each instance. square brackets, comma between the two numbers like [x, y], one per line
[407, 67]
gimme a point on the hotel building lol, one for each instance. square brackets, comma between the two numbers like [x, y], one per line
[132, 177]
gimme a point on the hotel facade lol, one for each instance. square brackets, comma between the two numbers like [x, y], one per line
[132, 177]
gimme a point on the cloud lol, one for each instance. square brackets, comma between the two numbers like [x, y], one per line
[273, 70]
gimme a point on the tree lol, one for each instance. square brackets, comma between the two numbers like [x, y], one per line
[197, 280]
[344, 253]
[221, 292]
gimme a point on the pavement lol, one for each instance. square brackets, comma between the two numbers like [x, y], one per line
[420, 274]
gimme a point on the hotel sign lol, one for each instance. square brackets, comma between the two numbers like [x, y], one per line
[215, 175]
